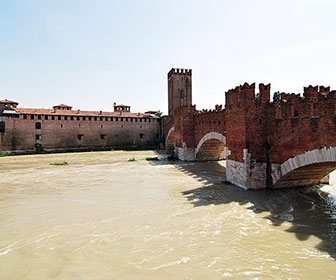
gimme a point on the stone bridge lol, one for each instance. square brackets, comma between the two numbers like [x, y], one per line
[287, 142]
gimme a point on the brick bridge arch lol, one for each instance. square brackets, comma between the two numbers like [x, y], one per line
[170, 139]
[211, 147]
[305, 169]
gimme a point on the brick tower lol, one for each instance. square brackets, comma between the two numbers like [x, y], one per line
[179, 89]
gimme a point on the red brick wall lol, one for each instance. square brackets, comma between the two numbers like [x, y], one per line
[299, 124]
[184, 123]
[209, 121]
[279, 130]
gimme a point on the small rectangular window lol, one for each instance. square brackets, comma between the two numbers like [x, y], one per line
[38, 137]
[71, 118]
[89, 118]
[65, 118]
[95, 118]
[157, 136]
[59, 118]
[100, 118]
[102, 136]
[142, 135]
[24, 116]
[80, 137]
[46, 117]
[78, 118]
[32, 117]
[83, 118]
[106, 119]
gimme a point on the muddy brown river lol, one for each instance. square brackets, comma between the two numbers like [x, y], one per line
[104, 217]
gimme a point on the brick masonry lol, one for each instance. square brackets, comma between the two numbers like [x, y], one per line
[262, 137]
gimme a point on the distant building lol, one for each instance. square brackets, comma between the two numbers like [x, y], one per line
[64, 128]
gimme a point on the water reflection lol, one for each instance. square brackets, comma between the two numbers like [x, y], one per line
[309, 210]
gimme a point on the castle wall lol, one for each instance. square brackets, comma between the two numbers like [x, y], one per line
[20, 134]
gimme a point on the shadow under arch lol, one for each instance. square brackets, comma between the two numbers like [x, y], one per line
[211, 147]
[308, 210]
[305, 169]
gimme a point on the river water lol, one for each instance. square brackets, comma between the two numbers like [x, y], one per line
[104, 217]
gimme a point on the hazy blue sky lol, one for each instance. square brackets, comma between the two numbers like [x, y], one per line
[89, 53]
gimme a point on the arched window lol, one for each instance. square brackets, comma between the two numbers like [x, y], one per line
[38, 125]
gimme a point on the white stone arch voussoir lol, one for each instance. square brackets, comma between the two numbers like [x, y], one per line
[169, 132]
[315, 156]
[208, 136]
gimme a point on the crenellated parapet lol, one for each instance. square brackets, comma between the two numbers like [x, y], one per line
[210, 118]
[315, 102]
[179, 71]
[245, 96]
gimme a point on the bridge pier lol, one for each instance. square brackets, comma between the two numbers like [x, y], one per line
[248, 174]
[185, 154]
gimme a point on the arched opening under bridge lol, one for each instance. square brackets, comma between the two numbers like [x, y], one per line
[211, 147]
[306, 169]
[170, 139]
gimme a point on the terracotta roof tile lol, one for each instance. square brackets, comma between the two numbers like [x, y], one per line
[79, 113]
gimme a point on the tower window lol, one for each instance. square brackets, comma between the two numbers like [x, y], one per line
[102, 136]
[80, 137]
[32, 117]
[59, 118]
[39, 117]
[141, 135]
[37, 137]
[46, 117]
